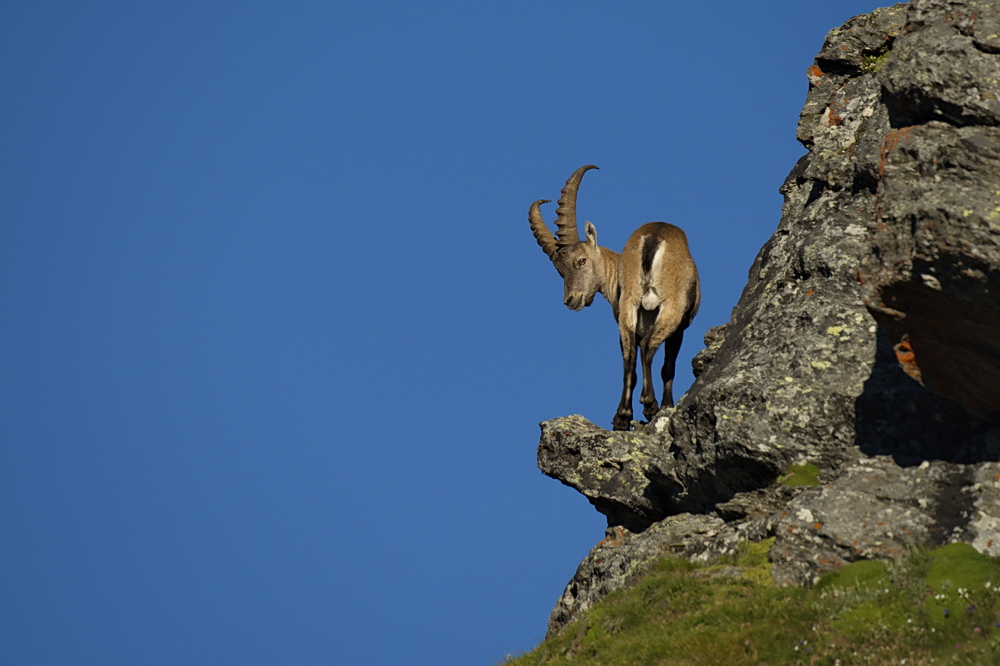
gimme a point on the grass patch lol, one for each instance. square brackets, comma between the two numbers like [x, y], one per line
[800, 475]
[872, 63]
[937, 606]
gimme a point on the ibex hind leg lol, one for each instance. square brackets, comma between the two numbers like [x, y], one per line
[671, 347]
[648, 397]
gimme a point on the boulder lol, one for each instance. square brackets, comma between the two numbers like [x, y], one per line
[879, 510]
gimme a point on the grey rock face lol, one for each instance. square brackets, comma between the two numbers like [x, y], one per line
[865, 341]
[879, 510]
[934, 275]
[803, 308]
[803, 371]
[945, 65]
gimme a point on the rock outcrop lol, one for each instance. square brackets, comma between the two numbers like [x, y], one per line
[933, 279]
[879, 510]
[864, 341]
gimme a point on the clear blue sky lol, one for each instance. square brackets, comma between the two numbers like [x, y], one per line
[275, 337]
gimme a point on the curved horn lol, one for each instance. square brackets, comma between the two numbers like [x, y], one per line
[542, 234]
[566, 213]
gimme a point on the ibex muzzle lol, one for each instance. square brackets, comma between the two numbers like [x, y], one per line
[652, 287]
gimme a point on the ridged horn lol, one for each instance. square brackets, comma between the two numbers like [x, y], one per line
[568, 233]
[538, 227]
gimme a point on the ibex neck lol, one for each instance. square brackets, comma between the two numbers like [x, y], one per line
[609, 270]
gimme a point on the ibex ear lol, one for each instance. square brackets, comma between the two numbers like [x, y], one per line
[591, 233]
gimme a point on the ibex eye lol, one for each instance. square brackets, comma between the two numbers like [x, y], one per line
[581, 262]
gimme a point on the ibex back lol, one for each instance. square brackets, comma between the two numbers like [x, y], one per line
[652, 287]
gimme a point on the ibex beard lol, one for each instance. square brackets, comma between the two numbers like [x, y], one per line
[652, 287]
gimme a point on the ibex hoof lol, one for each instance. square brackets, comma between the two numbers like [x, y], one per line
[622, 422]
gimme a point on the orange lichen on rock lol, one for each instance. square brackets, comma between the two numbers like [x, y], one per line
[616, 539]
[814, 73]
[906, 358]
[889, 144]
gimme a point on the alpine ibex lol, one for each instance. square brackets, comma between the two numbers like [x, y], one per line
[652, 287]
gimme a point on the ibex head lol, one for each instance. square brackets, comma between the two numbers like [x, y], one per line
[578, 262]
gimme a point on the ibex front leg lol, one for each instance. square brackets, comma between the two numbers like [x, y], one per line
[623, 418]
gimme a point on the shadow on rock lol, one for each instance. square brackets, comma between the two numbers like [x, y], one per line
[898, 417]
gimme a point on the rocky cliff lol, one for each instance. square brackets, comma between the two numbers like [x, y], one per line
[866, 342]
